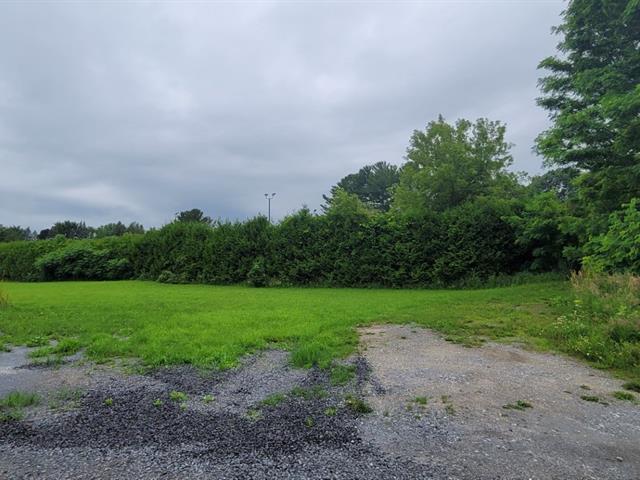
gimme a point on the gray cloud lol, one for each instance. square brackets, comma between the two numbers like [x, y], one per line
[133, 112]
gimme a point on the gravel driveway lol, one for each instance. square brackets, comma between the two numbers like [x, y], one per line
[437, 414]
[552, 434]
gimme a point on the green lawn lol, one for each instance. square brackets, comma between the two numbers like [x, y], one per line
[213, 325]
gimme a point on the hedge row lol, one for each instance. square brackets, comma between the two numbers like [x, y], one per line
[473, 240]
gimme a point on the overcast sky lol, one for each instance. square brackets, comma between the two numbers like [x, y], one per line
[116, 111]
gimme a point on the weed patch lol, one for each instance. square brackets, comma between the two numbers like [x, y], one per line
[620, 395]
[590, 398]
[448, 405]
[331, 411]
[176, 396]
[65, 399]
[357, 405]
[342, 374]
[13, 404]
[64, 348]
[311, 393]
[632, 386]
[254, 415]
[421, 401]
[273, 399]
[519, 405]
[37, 341]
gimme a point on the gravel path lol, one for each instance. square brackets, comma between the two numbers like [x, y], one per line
[104, 424]
[438, 414]
[464, 425]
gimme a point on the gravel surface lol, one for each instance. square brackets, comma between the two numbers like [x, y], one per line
[114, 427]
[438, 414]
[464, 425]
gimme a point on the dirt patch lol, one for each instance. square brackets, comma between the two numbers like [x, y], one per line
[442, 404]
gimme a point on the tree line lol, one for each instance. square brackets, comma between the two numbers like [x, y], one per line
[453, 212]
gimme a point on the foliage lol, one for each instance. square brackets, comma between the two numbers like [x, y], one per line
[372, 184]
[541, 230]
[592, 92]
[618, 250]
[117, 229]
[257, 275]
[560, 181]
[602, 324]
[448, 165]
[193, 215]
[350, 245]
[108, 259]
[17, 259]
[15, 233]
[68, 229]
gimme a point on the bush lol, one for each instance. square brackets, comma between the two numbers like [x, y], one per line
[348, 246]
[618, 250]
[17, 259]
[603, 322]
[84, 260]
[257, 276]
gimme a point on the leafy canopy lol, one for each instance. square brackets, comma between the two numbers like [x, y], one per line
[372, 184]
[449, 164]
[193, 215]
[592, 93]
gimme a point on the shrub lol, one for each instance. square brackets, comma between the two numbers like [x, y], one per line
[81, 260]
[17, 259]
[617, 250]
[257, 276]
[348, 246]
[603, 322]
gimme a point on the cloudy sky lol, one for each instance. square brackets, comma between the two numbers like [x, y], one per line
[114, 111]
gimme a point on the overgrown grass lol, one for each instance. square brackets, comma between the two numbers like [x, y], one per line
[342, 374]
[12, 405]
[602, 321]
[212, 326]
[65, 347]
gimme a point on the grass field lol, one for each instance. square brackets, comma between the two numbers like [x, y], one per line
[213, 326]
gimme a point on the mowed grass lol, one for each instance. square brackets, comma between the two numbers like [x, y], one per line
[212, 326]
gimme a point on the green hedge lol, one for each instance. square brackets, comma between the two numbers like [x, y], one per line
[336, 249]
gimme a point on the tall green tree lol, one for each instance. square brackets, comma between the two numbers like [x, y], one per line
[449, 164]
[372, 184]
[118, 229]
[68, 229]
[15, 233]
[193, 215]
[592, 92]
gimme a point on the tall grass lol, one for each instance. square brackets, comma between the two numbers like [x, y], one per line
[602, 322]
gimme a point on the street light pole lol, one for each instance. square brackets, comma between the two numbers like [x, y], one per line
[269, 197]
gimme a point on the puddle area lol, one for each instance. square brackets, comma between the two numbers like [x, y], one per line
[14, 375]
[16, 372]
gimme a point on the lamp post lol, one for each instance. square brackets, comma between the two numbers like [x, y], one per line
[269, 197]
